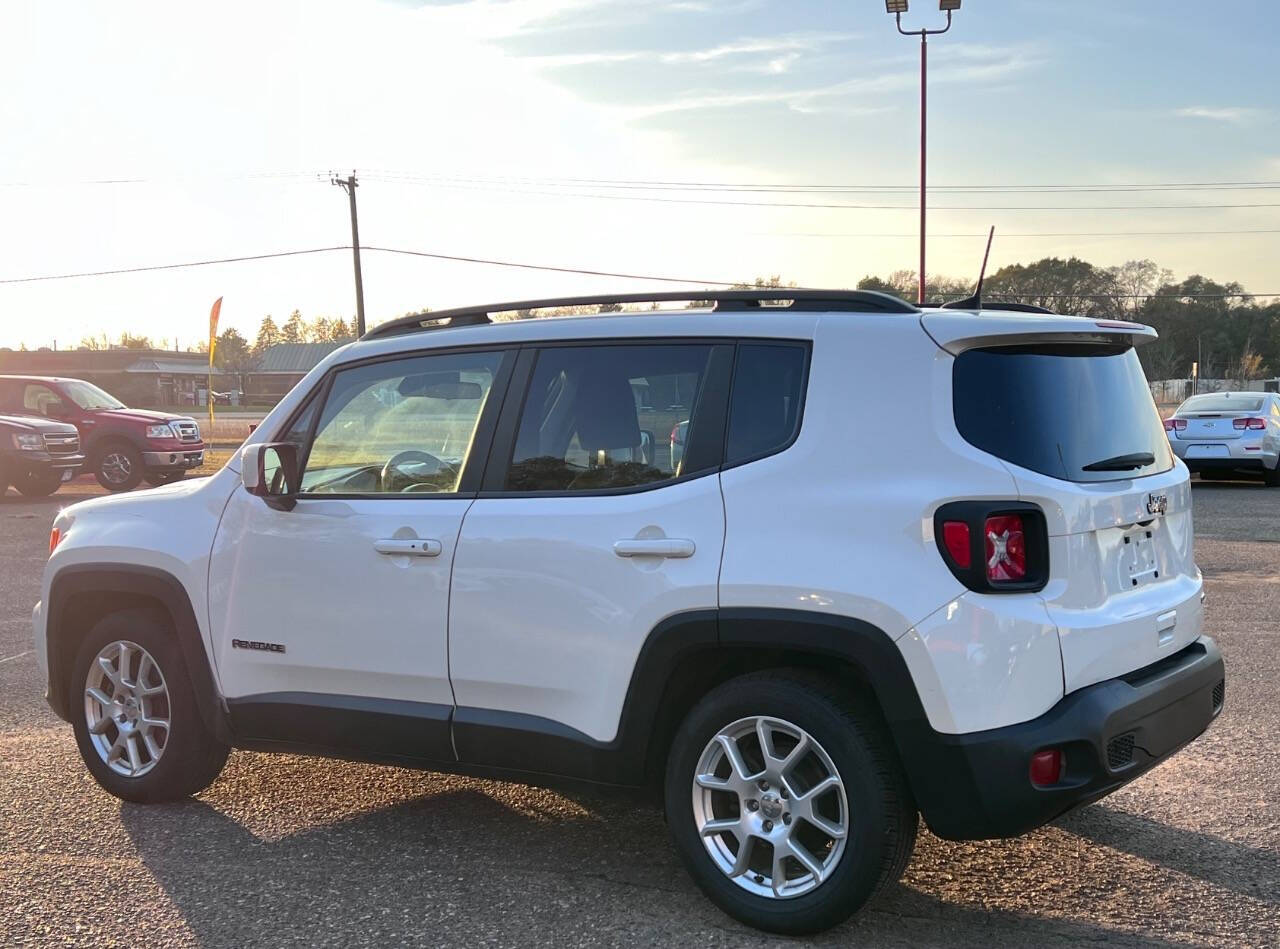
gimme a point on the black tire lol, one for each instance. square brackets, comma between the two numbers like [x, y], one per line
[1271, 477]
[157, 478]
[41, 485]
[191, 757]
[117, 466]
[882, 815]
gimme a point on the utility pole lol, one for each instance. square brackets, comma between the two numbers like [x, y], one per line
[349, 185]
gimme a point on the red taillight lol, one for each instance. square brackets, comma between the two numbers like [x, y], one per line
[675, 432]
[1046, 767]
[1174, 424]
[955, 537]
[55, 538]
[1248, 423]
[1006, 549]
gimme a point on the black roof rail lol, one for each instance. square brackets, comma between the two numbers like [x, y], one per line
[725, 300]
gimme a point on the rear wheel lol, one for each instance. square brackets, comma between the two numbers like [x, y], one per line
[786, 802]
[157, 478]
[118, 466]
[1271, 476]
[38, 484]
[135, 717]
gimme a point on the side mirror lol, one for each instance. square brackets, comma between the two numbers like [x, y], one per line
[270, 472]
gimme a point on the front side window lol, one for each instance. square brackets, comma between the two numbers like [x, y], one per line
[89, 397]
[601, 417]
[403, 426]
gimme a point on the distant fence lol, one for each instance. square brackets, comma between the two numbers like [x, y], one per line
[1177, 390]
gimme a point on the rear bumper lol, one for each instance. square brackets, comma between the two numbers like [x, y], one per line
[1238, 455]
[173, 460]
[977, 785]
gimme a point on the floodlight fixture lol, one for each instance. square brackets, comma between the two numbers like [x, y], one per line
[895, 6]
[948, 5]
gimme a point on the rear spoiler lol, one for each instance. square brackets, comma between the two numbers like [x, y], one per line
[955, 331]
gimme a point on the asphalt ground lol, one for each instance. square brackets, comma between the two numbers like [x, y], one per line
[293, 851]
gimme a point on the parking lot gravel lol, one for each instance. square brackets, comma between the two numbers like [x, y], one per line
[294, 851]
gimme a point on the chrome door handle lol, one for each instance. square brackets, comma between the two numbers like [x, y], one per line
[657, 547]
[408, 547]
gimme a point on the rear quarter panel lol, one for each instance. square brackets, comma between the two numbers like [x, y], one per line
[842, 522]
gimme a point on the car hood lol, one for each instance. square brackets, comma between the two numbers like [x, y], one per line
[33, 424]
[137, 415]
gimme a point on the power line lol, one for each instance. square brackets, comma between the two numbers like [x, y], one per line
[364, 247]
[1024, 234]
[659, 185]
[572, 270]
[826, 206]
[190, 263]
[582, 271]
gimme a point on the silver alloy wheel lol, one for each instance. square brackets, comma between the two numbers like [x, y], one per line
[116, 467]
[126, 706]
[770, 807]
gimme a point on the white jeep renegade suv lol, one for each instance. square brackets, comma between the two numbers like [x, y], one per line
[907, 561]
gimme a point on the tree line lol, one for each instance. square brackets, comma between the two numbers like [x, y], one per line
[1199, 320]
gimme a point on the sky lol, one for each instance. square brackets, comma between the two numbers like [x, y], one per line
[550, 132]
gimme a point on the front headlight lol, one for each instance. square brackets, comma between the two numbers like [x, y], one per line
[24, 442]
[160, 431]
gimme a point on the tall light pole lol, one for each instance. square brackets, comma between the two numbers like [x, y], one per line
[897, 8]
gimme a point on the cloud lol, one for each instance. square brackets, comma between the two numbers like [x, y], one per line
[853, 97]
[1235, 115]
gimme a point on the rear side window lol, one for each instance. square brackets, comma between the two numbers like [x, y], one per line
[768, 389]
[610, 417]
[1061, 410]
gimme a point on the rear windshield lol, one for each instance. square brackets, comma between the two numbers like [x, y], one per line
[1059, 409]
[1221, 403]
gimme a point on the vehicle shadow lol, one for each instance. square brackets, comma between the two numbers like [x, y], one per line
[1249, 871]
[465, 865]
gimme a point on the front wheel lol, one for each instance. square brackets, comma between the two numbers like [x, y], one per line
[157, 478]
[786, 802]
[38, 484]
[135, 716]
[118, 467]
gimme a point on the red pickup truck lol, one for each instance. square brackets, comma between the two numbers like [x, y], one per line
[123, 446]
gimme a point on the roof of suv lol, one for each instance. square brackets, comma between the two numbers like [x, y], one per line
[784, 299]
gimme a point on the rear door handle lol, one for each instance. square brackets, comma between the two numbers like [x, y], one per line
[408, 547]
[656, 547]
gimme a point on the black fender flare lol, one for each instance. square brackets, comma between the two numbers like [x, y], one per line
[531, 743]
[105, 579]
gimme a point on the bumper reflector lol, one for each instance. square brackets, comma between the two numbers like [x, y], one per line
[1046, 767]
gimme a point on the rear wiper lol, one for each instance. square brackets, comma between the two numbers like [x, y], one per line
[1138, 459]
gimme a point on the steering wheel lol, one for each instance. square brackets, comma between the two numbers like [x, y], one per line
[395, 461]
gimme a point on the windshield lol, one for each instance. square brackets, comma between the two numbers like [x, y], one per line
[1079, 413]
[89, 397]
[1221, 402]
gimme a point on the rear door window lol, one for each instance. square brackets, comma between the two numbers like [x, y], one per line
[768, 389]
[1071, 412]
